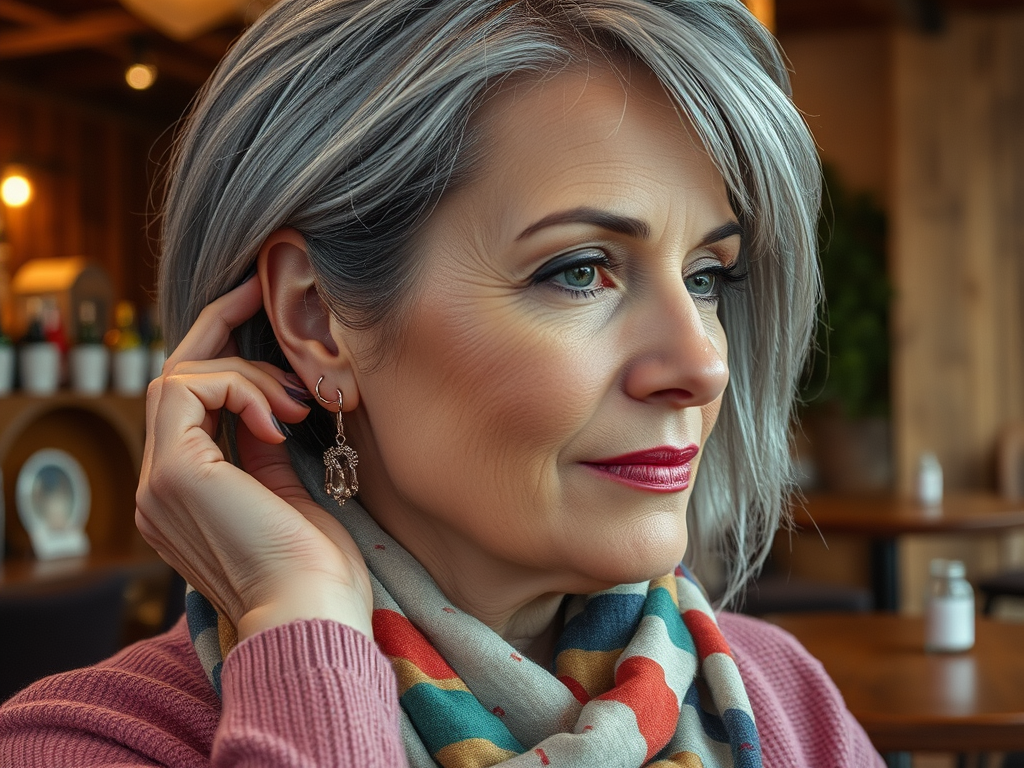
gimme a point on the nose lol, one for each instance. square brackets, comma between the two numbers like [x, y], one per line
[678, 361]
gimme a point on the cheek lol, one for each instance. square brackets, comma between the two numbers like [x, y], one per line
[709, 412]
[490, 402]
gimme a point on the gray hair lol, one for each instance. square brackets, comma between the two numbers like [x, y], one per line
[348, 119]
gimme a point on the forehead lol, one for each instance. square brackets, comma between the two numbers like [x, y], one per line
[586, 136]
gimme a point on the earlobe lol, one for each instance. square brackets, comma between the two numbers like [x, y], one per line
[305, 329]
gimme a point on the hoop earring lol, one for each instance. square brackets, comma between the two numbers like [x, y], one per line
[340, 460]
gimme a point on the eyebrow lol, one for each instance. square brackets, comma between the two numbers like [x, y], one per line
[724, 232]
[625, 225]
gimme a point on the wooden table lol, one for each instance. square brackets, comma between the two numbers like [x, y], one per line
[25, 576]
[909, 700]
[885, 518]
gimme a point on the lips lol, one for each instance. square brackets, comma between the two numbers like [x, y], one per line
[664, 469]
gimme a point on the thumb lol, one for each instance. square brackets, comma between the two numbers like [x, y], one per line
[271, 465]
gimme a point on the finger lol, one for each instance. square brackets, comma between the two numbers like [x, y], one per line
[211, 332]
[288, 397]
[271, 465]
[190, 402]
[153, 394]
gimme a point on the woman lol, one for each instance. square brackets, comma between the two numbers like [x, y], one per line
[503, 244]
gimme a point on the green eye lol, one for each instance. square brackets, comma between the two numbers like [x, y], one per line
[701, 284]
[581, 276]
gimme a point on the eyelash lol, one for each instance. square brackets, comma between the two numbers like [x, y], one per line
[726, 277]
[586, 257]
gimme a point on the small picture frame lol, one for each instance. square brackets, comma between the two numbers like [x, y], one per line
[53, 499]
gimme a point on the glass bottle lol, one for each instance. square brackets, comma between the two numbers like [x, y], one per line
[34, 332]
[949, 608]
[929, 480]
[130, 357]
[88, 330]
[125, 334]
[90, 359]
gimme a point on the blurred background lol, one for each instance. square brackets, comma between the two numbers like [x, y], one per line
[917, 107]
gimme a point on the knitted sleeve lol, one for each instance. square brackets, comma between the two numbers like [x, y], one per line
[800, 714]
[310, 693]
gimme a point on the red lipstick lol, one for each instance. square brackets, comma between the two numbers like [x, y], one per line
[665, 469]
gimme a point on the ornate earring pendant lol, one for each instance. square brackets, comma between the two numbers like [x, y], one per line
[340, 460]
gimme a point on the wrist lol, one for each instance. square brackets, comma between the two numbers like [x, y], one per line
[349, 610]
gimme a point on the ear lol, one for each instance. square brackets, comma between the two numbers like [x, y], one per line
[309, 335]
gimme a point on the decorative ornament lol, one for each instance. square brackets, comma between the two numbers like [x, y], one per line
[340, 460]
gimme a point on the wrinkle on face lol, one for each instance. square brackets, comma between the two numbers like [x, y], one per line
[478, 428]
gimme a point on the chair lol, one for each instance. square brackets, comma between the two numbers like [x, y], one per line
[778, 593]
[1010, 470]
[774, 590]
[59, 627]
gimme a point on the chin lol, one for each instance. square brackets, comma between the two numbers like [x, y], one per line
[631, 563]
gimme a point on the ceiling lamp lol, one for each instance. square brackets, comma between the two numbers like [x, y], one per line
[188, 19]
[140, 76]
[15, 189]
[141, 73]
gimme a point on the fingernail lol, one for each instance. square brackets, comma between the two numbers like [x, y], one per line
[300, 396]
[282, 428]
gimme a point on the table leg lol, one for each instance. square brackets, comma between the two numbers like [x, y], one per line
[885, 578]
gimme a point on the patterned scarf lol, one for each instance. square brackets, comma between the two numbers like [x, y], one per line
[642, 674]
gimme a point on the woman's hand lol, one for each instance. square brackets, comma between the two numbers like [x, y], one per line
[253, 542]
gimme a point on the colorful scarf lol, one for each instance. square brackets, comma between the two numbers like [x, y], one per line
[642, 674]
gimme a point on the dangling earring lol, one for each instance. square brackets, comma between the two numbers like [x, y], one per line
[340, 460]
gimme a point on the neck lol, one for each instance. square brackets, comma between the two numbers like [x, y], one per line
[519, 606]
[533, 629]
[522, 605]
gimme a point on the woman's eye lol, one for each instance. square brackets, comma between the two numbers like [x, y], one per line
[582, 277]
[581, 274]
[710, 283]
[702, 284]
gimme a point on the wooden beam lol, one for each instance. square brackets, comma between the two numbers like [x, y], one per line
[194, 71]
[23, 13]
[213, 45]
[82, 31]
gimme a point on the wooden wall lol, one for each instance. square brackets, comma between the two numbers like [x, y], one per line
[958, 244]
[933, 125]
[841, 83]
[93, 174]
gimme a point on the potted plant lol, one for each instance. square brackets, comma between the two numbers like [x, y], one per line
[845, 393]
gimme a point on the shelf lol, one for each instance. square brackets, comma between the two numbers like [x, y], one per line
[106, 435]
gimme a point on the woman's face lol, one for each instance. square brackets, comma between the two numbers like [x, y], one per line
[562, 361]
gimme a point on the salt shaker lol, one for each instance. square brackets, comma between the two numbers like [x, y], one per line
[929, 480]
[949, 608]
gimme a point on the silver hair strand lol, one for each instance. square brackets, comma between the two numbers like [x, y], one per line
[349, 119]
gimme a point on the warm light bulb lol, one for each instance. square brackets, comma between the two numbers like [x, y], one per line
[140, 76]
[16, 190]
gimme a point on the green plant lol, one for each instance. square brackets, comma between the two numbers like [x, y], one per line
[851, 364]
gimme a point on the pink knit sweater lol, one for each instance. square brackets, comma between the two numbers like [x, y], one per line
[315, 693]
